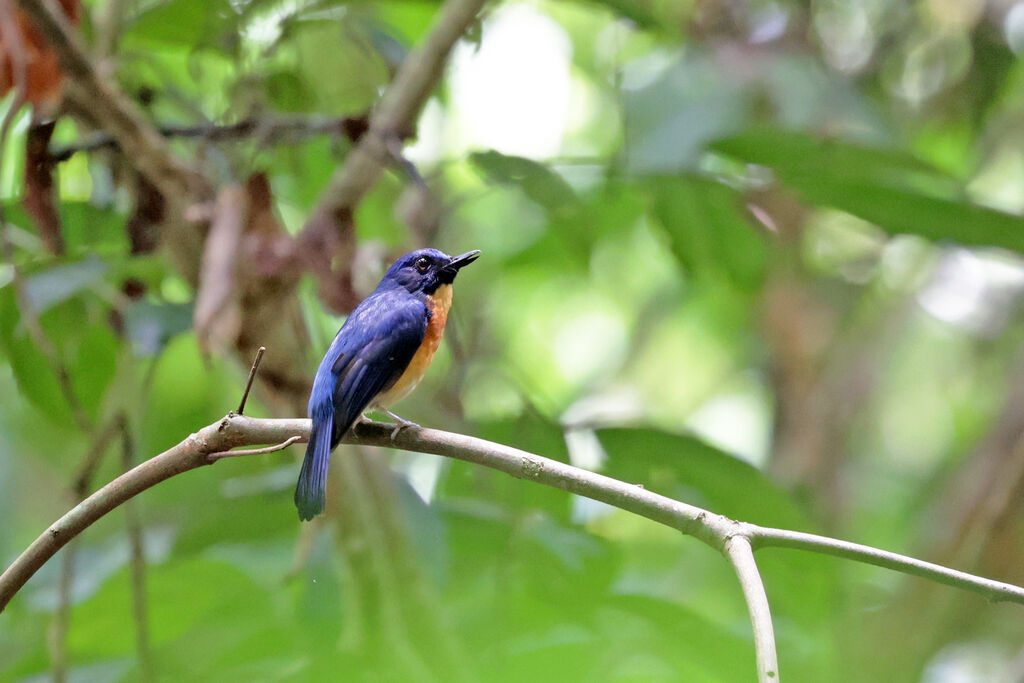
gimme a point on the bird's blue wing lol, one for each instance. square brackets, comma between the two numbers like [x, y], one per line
[369, 354]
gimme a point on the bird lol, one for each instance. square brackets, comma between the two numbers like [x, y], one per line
[377, 358]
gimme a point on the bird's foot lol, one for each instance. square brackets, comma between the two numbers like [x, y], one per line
[402, 424]
[362, 419]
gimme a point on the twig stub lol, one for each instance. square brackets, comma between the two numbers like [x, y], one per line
[252, 375]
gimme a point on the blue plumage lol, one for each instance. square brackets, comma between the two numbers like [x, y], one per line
[367, 357]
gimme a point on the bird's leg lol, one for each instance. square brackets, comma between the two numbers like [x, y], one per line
[402, 423]
[362, 419]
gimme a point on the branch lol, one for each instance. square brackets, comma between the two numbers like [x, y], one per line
[109, 107]
[399, 109]
[735, 540]
[140, 609]
[252, 375]
[234, 430]
[263, 129]
[327, 236]
[997, 591]
[741, 555]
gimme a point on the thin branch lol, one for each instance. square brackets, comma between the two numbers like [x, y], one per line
[57, 633]
[400, 107]
[252, 375]
[997, 591]
[140, 609]
[255, 451]
[327, 236]
[81, 483]
[264, 130]
[238, 430]
[741, 555]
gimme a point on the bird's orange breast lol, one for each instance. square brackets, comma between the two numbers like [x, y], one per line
[439, 304]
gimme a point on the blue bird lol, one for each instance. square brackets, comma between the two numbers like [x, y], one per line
[379, 355]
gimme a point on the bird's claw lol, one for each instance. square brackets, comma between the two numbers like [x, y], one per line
[400, 426]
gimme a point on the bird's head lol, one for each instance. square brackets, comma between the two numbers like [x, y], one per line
[424, 270]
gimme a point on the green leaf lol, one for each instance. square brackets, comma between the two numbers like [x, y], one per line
[150, 326]
[31, 368]
[288, 92]
[708, 233]
[895, 191]
[94, 366]
[190, 23]
[689, 469]
[670, 121]
[537, 181]
[800, 154]
[49, 287]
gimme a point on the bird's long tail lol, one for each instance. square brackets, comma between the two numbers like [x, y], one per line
[311, 491]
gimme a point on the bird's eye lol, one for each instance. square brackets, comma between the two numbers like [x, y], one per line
[422, 263]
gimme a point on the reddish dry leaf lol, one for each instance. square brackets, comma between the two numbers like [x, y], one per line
[40, 200]
[24, 48]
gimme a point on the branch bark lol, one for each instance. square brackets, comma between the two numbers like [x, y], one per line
[328, 233]
[741, 554]
[736, 540]
[264, 130]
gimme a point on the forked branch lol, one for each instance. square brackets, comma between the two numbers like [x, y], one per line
[734, 539]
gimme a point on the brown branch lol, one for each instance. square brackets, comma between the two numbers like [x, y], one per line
[110, 108]
[252, 376]
[264, 130]
[140, 610]
[239, 430]
[328, 235]
[81, 483]
[733, 539]
[399, 108]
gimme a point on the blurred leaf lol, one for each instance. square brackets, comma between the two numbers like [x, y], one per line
[708, 233]
[800, 154]
[32, 370]
[537, 181]
[112, 670]
[46, 288]
[670, 120]
[186, 22]
[426, 530]
[91, 230]
[688, 641]
[686, 468]
[287, 91]
[890, 189]
[94, 366]
[149, 326]
[641, 12]
[339, 49]
[95, 563]
[225, 609]
[375, 215]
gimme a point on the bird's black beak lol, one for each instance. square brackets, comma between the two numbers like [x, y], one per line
[448, 272]
[461, 260]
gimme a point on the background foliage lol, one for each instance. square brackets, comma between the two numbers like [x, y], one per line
[762, 256]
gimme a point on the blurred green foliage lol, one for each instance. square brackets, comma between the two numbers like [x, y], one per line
[725, 257]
